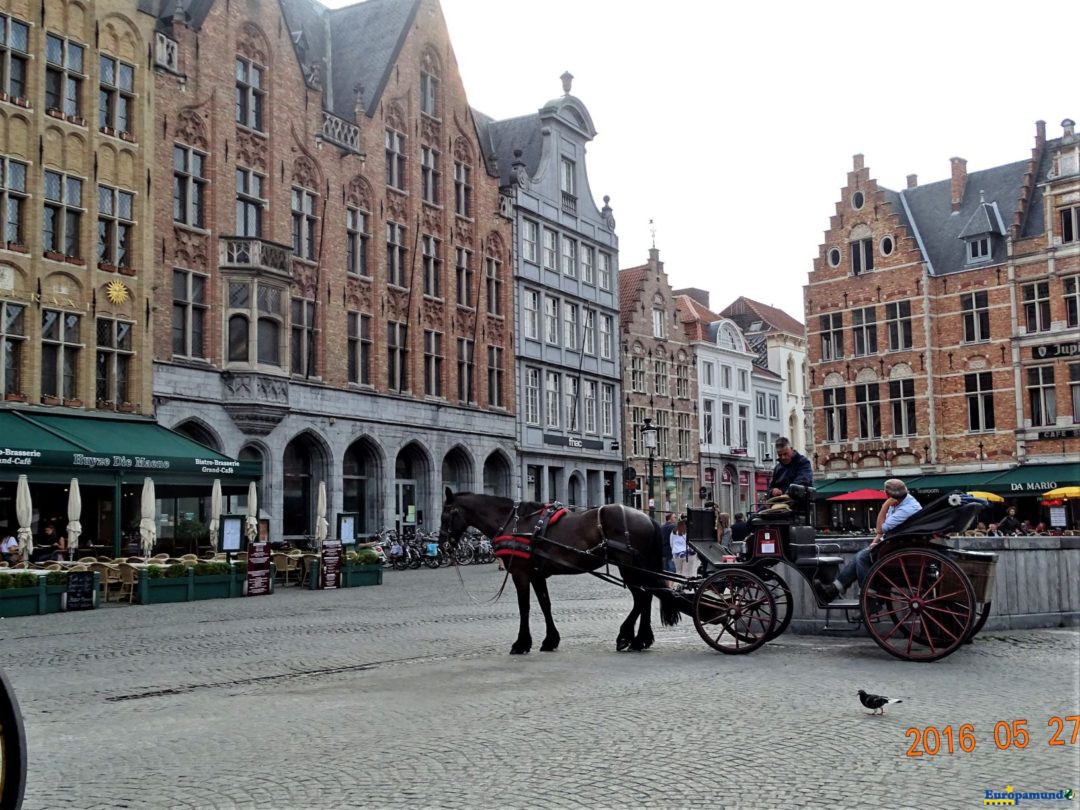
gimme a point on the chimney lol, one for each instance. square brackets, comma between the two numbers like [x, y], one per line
[912, 180]
[959, 180]
[1068, 127]
[1040, 134]
[858, 161]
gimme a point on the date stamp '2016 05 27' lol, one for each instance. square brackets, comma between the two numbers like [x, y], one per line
[1007, 734]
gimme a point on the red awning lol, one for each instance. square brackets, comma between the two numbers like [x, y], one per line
[860, 495]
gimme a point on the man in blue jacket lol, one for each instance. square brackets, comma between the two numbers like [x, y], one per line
[791, 467]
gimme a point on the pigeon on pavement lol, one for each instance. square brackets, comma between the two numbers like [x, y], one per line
[876, 702]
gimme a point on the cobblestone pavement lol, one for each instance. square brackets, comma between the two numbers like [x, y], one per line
[404, 696]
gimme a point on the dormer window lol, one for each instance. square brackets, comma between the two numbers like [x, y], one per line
[978, 249]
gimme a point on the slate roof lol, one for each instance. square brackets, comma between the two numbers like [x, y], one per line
[938, 230]
[744, 311]
[985, 220]
[521, 133]
[350, 46]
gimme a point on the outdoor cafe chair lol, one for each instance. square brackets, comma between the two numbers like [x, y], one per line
[161, 556]
[191, 557]
[54, 566]
[129, 575]
[108, 575]
[88, 560]
[134, 560]
[285, 565]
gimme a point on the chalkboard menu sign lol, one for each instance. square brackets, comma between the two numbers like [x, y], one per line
[258, 569]
[80, 590]
[330, 565]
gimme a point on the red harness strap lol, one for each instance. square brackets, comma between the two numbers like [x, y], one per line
[555, 517]
[513, 545]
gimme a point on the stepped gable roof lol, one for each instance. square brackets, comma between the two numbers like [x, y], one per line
[1034, 223]
[365, 41]
[695, 318]
[939, 231]
[745, 311]
[521, 133]
[630, 291]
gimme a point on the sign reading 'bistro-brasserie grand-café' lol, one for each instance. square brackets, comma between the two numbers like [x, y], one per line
[54, 458]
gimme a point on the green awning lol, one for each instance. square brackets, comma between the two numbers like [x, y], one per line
[54, 447]
[948, 482]
[838, 486]
[1033, 479]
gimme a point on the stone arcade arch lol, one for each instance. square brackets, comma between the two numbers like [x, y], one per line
[457, 470]
[303, 466]
[361, 475]
[497, 475]
[412, 486]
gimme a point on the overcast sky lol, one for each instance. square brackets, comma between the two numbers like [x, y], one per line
[733, 124]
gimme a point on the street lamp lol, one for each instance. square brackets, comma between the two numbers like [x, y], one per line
[648, 435]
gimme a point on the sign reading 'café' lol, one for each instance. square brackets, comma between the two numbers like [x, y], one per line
[15, 457]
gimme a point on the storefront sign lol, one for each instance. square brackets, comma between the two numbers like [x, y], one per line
[1061, 433]
[258, 569]
[725, 476]
[574, 442]
[33, 459]
[330, 565]
[744, 478]
[1033, 486]
[669, 471]
[1049, 352]
[710, 475]
[1057, 516]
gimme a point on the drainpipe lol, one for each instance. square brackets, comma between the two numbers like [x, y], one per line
[117, 517]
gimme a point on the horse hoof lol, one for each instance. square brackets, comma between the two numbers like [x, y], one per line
[549, 646]
[637, 646]
[519, 650]
[644, 642]
[621, 644]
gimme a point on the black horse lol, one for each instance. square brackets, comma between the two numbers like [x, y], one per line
[574, 544]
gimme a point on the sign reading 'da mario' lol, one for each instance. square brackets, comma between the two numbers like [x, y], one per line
[1050, 351]
[1033, 486]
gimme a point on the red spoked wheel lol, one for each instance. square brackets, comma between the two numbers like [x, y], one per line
[734, 612]
[785, 602]
[918, 605]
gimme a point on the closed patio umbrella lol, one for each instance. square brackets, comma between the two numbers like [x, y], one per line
[24, 513]
[74, 527]
[215, 512]
[147, 524]
[251, 525]
[321, 526]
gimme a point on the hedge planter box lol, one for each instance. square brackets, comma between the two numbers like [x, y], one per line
[214, 586]
[356, 575]
[22, 601]
[191, 587]
[54, 598]
[162, 590]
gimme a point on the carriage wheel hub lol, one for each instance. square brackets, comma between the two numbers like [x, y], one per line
[916, 605]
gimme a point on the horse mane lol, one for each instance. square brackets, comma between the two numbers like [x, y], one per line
[524, 507]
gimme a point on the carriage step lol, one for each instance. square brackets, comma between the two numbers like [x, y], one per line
[843, 604]
[813, 562]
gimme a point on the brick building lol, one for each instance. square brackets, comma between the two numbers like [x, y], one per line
[779, 341]
[567, 305]
[334, 297]
[943, 331]
[659, 384]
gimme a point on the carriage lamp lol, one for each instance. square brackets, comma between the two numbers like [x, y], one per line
[648, 436]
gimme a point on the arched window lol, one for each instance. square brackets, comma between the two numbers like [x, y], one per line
[360, 484]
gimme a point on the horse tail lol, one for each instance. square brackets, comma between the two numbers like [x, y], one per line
[669, 605]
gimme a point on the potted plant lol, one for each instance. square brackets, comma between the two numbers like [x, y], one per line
[126, 270]
[54, 255]
[18, 247]
[13, 397]
[21, 594]
[55, 588]
[107, 267]
[363, 568]
[158, 585]
[49, 400]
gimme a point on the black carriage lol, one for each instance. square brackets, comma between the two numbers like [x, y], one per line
[920, 602]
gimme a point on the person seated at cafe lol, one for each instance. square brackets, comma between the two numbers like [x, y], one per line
[1009, 524]
[898, 507]
[9, 549]
[1040, 528]
[54, 542]
[993, 531]
[1026, 528]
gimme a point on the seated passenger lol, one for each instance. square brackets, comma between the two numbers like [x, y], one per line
[898, 507]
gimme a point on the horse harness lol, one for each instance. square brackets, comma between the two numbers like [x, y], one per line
[530, 546]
